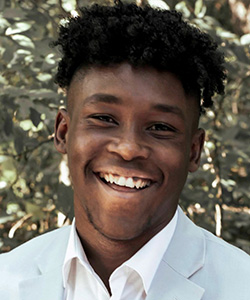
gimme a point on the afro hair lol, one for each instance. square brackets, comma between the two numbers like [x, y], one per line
[110, 35]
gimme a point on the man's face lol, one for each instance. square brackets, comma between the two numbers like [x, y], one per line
[131, 138]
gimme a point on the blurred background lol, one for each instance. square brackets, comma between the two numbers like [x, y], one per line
[35, 192]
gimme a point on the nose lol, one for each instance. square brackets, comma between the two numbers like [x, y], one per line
[129, 147]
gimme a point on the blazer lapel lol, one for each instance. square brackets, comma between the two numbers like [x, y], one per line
[170, 285]
[184, 257]
[48, 284]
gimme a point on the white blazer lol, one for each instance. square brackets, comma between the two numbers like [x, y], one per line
[197, 265]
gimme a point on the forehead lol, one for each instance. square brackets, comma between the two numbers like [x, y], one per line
[144, 86]
[127, 74]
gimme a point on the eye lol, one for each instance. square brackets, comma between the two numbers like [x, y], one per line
[162, 131]
[104, 118]
[161, 127]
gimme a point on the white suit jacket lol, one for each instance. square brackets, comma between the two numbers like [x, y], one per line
[197, 265]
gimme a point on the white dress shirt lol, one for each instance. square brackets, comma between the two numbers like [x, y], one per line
[131, 280]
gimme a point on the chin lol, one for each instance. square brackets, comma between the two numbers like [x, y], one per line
[122, 232]
[120, 236]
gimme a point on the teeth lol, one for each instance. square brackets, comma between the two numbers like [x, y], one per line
[115, 179]
[111, 178]
[130, 183]
[138, 184]
[106, 176]
[125, 181]
[144, 184]
[121, 181]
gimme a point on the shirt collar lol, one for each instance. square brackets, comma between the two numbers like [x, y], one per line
[145, 262]
[74, 250]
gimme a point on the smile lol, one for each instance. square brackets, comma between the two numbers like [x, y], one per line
[129, 182]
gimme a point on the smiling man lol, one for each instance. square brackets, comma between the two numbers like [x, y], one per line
[137, 81]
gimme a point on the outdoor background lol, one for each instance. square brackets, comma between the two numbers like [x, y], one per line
[35, 195]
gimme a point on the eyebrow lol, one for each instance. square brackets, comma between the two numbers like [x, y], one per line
[169, 109]
[103, 98]
[111, 99]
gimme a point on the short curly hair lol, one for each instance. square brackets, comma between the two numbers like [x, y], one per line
[110, 35]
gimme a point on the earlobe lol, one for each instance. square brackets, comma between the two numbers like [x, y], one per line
[195, 154]
[61, 130]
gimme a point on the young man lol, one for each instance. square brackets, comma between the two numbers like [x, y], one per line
[136, 81]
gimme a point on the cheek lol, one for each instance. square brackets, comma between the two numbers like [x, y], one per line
[174, 154]
[82, 145]
[175, 163]
[84, 152]
[80, 150]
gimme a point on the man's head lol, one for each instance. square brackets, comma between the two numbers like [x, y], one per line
[134, 78]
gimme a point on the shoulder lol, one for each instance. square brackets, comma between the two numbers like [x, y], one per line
[225, 254]
[35, 245]
[22, 261]
[221, 269]
[211, 248]
[226, 270]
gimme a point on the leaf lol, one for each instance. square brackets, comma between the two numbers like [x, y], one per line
[158, 4]
[44, 76]
[42, 93]
[8, 170]
[35, 116]
[23, 40]
[69, 5]
[227, 34]
[19, 56]
[13, 13]
[8, 125]
[19, 143]
[50, 59]
[18, 27]
[245, 39]
[3, 81]
[3, 24]
[198, 7]
[182, 7]
[26, 125]
[6, 219]
[35, 210]
[65, 200]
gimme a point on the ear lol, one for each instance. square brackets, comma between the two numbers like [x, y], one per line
[196, 149]
[61, 130]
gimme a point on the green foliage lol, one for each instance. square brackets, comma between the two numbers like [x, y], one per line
[34, 190]
[217, 197]
[29, 101]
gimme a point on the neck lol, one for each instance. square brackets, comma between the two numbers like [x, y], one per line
[106, 254]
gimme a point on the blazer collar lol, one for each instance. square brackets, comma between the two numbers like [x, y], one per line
[184, 257]
[48, 284]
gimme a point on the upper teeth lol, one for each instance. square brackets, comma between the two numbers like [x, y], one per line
[125, 181]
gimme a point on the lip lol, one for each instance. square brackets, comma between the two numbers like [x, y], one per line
[120, 189]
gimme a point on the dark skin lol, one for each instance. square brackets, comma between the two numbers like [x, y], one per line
[136, 125]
